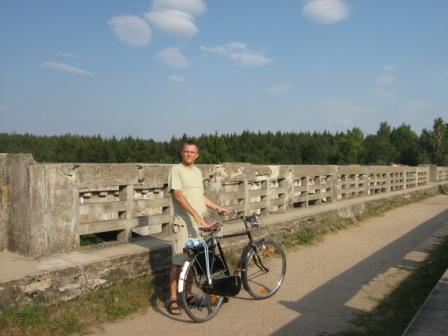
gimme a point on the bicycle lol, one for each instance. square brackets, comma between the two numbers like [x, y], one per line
[205, 282]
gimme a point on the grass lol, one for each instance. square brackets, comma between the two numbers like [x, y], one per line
[397, 309]
[313, 234]
[135, 295]
[444, 189]
[90, 239]
[66, 318]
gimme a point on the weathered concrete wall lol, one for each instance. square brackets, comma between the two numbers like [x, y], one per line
[5, 202]
[15, 200]
[70, 282]
[51, 206]
[21, 220]
[54, 207]
[65, 283]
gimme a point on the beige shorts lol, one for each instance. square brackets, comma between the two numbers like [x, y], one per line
[180, 236]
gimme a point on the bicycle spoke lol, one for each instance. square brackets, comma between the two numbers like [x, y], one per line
[196, 303]
[265, 270]
[257, 274]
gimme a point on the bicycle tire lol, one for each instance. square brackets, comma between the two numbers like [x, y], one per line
[264, 269]
[199, 305]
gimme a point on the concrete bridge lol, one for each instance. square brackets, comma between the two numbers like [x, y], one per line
[46, 210]
[328, 284]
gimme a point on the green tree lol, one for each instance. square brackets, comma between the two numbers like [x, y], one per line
[405, 142]
[350, 146]
[435, 143]
[379, 147]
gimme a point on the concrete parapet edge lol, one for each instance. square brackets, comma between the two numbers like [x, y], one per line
[104, 266]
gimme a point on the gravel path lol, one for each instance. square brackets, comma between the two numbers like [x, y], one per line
[326, 285]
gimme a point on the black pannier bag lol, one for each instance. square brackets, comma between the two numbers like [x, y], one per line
[228, 285]
[223, 285]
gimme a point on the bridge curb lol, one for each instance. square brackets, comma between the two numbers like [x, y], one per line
[432, 317]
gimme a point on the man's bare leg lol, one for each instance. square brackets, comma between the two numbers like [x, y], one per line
[172, 304]
[174, 278]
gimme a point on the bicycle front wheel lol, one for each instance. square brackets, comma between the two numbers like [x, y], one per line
[265, 270]
[199, 305]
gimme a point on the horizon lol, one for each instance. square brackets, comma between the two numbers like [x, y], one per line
[320, 132]
[159, 69]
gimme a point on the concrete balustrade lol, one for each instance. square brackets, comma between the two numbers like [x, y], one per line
[47, 208]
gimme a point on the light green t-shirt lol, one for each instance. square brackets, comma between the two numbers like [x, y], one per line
[189, 180]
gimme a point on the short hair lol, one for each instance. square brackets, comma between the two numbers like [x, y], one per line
[190, 142]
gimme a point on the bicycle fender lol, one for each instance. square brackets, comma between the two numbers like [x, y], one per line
[246, 252]
[182, 276]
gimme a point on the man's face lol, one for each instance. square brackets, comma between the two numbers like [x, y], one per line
[189, 154]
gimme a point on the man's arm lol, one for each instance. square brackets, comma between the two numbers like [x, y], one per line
[214, 206]
[180, 197]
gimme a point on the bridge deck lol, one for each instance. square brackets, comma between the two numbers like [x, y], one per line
[326, 285]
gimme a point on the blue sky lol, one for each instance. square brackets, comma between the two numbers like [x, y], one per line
[154, 69]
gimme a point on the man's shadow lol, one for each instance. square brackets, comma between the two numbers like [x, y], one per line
[160, 252]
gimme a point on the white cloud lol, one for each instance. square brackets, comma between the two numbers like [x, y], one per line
[385, 81]
[173, 57]
[439, 76]
[66, 68]
[174, 79]
[173, 22]
[390, 67]
[279, 89]
[326, 11]
[420, 105]
[341, 124]
[67, 55]
[131, 29]
[193, 7]
[239, 53]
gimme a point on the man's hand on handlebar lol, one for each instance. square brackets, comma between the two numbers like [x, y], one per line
[211, 227]
[222, 211]
[202, 224]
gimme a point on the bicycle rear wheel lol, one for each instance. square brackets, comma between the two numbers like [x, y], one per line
[265, 270]
[199, 305]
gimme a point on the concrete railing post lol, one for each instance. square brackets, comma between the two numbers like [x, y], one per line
[334, 185]
[246, 197]
[5, 202]
[127, 196]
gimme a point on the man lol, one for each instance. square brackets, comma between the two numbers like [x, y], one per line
[189, 204]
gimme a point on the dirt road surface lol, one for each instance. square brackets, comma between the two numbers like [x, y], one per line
[326, 285]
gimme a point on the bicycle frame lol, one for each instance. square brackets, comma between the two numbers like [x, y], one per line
[214, 241]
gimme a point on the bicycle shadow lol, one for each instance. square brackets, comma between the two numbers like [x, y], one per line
[327, 307]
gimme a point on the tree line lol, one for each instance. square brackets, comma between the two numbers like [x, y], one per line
[400, 145]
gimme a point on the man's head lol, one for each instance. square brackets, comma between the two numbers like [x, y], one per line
[190, 152]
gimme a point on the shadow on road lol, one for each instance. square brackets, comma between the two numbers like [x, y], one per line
[321, 309]
[160, 252]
